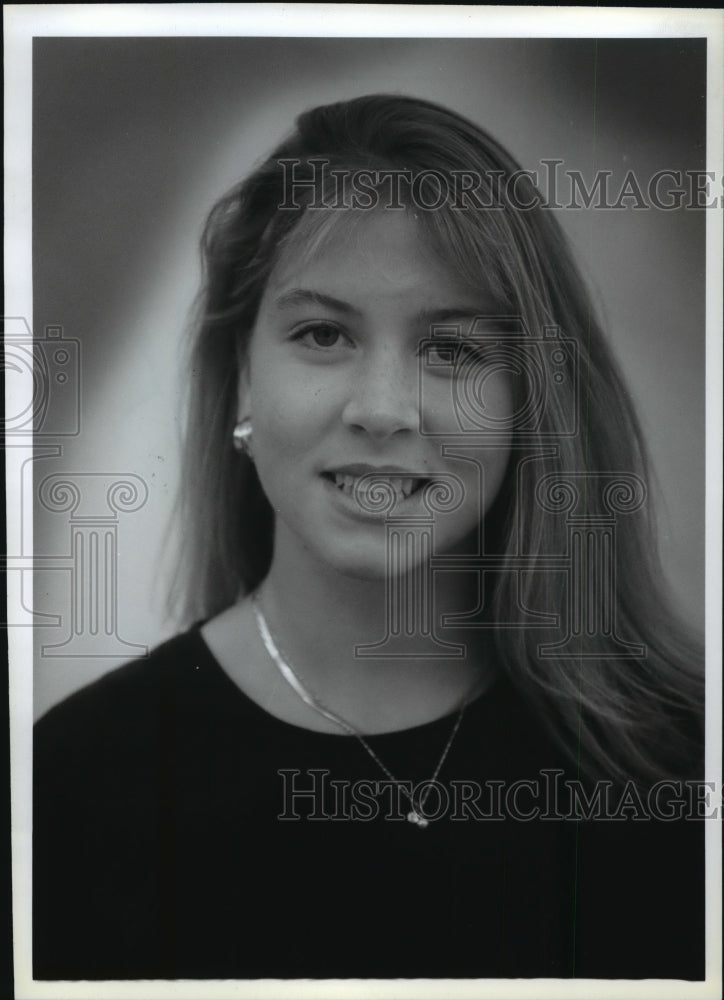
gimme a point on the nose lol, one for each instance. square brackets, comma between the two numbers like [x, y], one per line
[384, 394]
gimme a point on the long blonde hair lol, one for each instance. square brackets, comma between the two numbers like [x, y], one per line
[618, 716]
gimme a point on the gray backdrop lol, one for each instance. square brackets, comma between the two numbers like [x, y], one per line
[133, 140]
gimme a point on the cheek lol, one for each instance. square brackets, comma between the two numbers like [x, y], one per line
[280, 441]
[285, 407]
[293, 422]
[487, 399]
[484, 412]
[479, 401]
[502, 402]
[281, 444]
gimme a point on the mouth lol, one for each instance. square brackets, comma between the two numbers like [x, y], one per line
[403, 483]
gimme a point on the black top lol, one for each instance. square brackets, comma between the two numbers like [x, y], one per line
[180, 831]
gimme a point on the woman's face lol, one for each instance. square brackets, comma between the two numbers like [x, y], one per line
[337, 388]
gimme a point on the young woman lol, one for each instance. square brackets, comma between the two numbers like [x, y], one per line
[432, 716]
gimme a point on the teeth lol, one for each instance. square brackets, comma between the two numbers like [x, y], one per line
[403, 487]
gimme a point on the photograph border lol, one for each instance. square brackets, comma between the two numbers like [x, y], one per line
[22, 24]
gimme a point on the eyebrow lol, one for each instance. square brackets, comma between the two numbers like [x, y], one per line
[303, 296]
[307, 296]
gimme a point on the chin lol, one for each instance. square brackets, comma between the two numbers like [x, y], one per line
[360, 566]
[368, 565]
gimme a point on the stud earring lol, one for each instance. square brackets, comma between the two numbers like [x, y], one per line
[242, 437]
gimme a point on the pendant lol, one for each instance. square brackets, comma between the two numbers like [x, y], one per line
[417, 819]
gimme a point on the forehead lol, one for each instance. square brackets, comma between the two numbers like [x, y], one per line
[391, 251]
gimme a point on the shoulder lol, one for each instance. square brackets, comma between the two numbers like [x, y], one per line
[136, 678]
[125, 699]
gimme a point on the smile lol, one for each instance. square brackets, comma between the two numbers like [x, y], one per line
[349, 481]
[403, 486]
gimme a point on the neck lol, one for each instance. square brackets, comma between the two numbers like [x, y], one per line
[318, 617]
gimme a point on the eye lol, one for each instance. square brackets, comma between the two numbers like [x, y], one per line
[441, 352]
[320, 336]
[474, 352]
[455, 357]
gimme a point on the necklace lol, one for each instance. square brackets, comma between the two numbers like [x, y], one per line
[415, 815]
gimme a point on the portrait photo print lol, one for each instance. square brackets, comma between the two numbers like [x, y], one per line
[357, 561]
